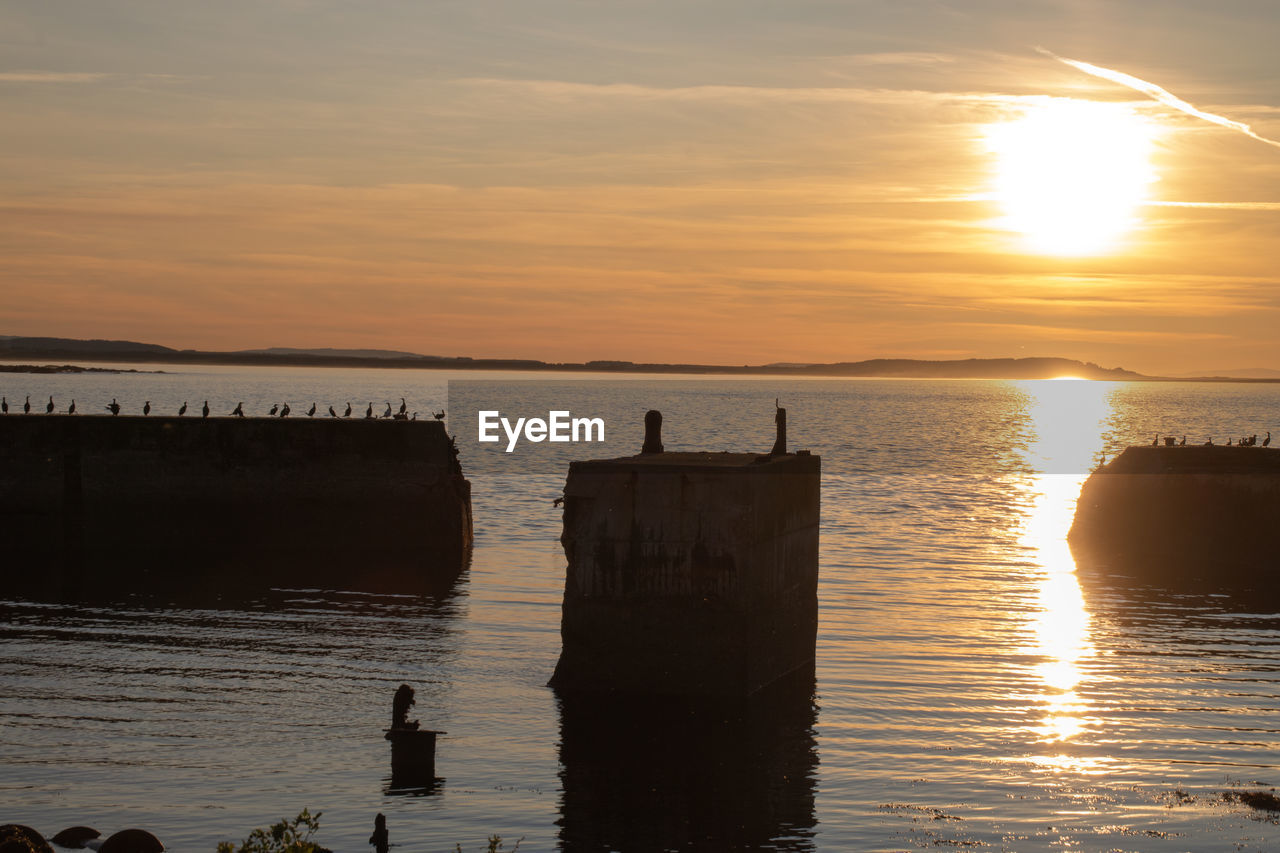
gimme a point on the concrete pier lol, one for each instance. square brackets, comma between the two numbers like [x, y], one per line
[87, 501]
[689, 573]
[1182, 513]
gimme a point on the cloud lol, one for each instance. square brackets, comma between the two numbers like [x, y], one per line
[565, 90]
[1156, 93]
[50, 77]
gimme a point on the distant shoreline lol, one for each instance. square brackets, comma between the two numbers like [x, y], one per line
[833, 371]
[131, 352]
[67, 368]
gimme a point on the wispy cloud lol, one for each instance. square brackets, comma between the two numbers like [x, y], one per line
[1220, 205]
[50, 77]
[1159, 94]
[563, 89]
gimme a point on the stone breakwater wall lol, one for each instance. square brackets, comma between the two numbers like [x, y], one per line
[1190, 512]
[240, 499]
[689, 573]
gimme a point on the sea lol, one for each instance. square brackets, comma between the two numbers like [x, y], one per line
[974, 687]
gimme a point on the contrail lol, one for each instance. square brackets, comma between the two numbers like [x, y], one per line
[1151, 90]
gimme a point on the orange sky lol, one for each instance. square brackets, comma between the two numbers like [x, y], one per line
[642, 181]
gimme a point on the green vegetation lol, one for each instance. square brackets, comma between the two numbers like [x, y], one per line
[287, 836]
[495, 845]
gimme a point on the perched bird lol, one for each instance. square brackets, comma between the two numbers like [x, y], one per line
[26, 407]
[387, 413]
[1228, 442]
[4, 405]
[311, 413]
[71, 410]
[1267, 441]
[368, 413]
[114, 408]
[204, 411]
[380, 839]
[332, 413]
[238, 411]
[347, 413]
[284, 410]
[48, 409]
[146, 408]
[1209, 443]
[183, 410]
[275, 407]
[1155, 442]
[439, 415]
[1183, 443]
[403, 408]
[415, 417]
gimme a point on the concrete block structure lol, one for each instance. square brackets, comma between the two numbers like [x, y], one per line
[229, 502]
[689, 573]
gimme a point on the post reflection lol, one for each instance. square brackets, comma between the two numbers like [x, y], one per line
[665, 774]
[1067, 420]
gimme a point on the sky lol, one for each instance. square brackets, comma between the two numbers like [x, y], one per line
[715, 182]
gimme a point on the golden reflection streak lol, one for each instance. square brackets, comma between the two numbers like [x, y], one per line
[1067, 420]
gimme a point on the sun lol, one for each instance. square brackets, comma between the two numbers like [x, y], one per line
[1071, 175]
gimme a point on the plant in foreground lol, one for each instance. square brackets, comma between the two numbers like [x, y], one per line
[287, 836]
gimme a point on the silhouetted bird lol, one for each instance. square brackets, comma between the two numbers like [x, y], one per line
[380, 839]
[1253, 439]
[204, 410]
[311, 413]
[71, 410]
[4, 405]
[332, 413]
[347, 413]
[114, 408]
[146, 408]
[403, 408]
[1209, 443]
[387, 413]
[1155, 442]
[1228, 442]
[183, 410]
[439, 415]
[26, 407]
[48, 409]
[275, 407]
[1183, 443]
[284, 410]
[415, 417]
[238, 411]
[368, 413]
[1267, 441]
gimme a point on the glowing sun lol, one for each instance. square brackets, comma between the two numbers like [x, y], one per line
[1071, 175]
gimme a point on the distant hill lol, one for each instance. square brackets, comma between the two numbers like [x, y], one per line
[1239, 373]
[330, 352]
[48, 346]
[970, 368]
[975, 368]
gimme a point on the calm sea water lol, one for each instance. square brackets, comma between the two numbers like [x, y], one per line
[973, 688]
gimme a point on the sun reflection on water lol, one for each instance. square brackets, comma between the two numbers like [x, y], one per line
[1067, 420]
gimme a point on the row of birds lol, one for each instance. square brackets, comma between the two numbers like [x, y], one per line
[277, 410]
[1250, 441]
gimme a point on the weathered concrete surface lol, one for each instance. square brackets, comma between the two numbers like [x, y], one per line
[1183, 512]
[689, 573]
[229, 501]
